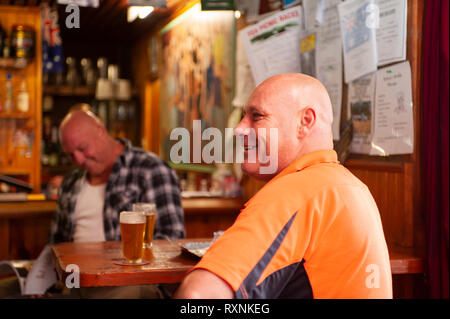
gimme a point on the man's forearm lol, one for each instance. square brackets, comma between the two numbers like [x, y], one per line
[203, 284]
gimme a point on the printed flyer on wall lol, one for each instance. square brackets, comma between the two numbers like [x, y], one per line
[273, 45]
[358, 38]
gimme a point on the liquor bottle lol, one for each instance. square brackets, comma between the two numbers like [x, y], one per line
[6, 49]
[8, 104]
[54, 148]
[2, 40]
[23, 99]
[46, 140]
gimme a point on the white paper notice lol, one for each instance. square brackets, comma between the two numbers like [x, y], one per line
[358, 27]
[361, 100]
[308, 54]
[42, 275]
[394, 128]
[310, 9]
[244, 77]
[273, 45]
[329, 60]
[391, 33]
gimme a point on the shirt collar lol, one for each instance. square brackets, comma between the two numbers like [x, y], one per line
[307, 160]
[123, 156]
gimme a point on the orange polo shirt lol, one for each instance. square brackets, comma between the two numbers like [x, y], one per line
[313, 231]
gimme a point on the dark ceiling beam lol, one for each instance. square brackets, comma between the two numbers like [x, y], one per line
[119, 16]
[107, 18]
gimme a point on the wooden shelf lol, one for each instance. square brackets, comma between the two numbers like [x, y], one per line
[14, 171]
[13, 63]
[15, 115]
[66, 90]
[81, 90]
[405, 261]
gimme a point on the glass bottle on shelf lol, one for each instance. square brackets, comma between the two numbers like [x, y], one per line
[2, 40]
[102, 112]
[72, 77]
[8, 103]
[46, 140]
[6, 49]
[47, 103]
[54, 148]
[23, 99]
[88, 72]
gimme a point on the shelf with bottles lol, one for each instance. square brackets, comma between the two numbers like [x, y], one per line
[17, 47]
[15, 99]
[16, 147]
[20, 91]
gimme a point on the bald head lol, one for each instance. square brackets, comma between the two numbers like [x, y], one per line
[299, 108]
[88, 144]
[296, 92]
[79, 118]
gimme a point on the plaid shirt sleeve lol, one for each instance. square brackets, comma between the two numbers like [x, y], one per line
[61, 225]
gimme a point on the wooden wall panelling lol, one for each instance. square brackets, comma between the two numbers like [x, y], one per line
[24, 228]
[204, 225]
[395, 181]
[4, 239]
[28, 236]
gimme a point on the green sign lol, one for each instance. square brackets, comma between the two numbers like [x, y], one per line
[217, 4]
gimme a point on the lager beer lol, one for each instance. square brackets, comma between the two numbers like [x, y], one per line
[149, 210]
[132, 226]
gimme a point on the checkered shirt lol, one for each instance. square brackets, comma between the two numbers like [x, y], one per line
[137, 176]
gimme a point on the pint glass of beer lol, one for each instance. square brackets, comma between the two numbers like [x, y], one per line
[132, 226]
[149, 210]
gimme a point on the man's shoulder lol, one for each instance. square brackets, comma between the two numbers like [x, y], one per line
[141, 158]
[309, 182]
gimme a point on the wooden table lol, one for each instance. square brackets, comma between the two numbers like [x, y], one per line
[168, 264]
[405, 261]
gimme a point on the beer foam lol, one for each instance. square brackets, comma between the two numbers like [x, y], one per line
[132, 218]
[144, 207]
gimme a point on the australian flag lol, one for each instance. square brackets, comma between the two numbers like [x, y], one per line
[51, 43]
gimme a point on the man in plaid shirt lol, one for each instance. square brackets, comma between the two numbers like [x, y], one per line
[112, 175]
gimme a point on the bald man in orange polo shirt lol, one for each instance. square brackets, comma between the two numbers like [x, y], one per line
[314, 230]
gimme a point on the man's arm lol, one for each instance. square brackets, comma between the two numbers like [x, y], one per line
[203, 284]
[60, 223]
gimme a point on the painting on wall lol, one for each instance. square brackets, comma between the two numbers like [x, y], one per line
[196, 72]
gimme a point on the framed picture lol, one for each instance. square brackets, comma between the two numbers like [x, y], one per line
[196, 73]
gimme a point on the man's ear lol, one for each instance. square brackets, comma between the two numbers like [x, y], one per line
[306, 119]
